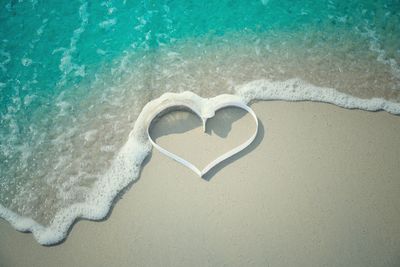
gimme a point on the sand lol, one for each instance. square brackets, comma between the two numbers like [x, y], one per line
[319, 187]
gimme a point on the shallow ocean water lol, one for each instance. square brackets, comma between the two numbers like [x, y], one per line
[74, 77]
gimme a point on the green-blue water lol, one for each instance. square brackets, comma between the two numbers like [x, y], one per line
[74, 75]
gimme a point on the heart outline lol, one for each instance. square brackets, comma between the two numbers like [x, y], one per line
[202, 110]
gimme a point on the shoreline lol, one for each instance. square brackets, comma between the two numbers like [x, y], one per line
[125, 167]
[297, 196]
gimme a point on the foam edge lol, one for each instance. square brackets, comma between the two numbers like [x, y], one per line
[126, 166]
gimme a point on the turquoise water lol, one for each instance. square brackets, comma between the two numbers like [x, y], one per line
[75, 75]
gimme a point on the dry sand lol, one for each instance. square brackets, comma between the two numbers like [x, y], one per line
[319, 187]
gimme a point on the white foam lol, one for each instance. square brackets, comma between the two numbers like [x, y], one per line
[125, 167]
[26, 62]
[298, 90]
[67, 65]
[108, 23]
[382, 57]
[5, 58]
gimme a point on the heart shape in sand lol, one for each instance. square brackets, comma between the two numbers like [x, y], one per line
[205, 109]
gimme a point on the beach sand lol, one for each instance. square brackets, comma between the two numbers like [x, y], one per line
[320, 186]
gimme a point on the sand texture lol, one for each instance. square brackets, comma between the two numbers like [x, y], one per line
[320, 186]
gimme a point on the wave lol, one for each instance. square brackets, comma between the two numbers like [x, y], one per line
[5, 58]
[66, 63]
[125, 167]
[382, 57]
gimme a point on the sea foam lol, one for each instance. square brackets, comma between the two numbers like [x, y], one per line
[125, 167]
[67, 65]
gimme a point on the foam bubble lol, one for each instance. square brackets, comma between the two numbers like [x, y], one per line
[26, 62]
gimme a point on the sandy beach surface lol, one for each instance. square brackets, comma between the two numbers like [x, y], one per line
[320, 186]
